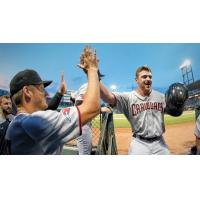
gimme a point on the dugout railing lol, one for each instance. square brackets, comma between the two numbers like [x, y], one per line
[103, 137]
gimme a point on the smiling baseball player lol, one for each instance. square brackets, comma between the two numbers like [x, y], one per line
[36, 131]
[144, 109]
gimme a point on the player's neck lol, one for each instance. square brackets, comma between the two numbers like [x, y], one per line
[142, 92]
[25, 109]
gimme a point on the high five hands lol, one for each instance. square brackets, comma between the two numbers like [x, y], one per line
[88, 60]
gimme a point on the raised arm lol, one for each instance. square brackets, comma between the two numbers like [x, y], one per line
[106, 95]
[55, 101]
[91, 104]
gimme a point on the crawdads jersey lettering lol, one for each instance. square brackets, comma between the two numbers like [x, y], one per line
[145, 114]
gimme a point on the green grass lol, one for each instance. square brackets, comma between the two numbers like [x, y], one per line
[121, 122]
[185, 117]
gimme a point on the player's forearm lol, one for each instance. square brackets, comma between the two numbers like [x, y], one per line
[91, 104]
[106, 95]
[93, 91]
[55, 101]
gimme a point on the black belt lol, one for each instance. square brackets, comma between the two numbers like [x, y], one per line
[151, 139]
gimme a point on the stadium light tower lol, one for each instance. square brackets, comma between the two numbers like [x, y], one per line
[187, 72]
[113, 88]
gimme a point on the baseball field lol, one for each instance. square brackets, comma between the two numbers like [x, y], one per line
[179, 134]
[189, 116]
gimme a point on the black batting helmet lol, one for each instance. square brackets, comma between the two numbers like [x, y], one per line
[175, 98]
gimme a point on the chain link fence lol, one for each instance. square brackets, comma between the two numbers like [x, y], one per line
[71, 147]
[96, 130]
[103, 137]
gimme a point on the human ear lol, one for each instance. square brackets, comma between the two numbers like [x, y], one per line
[27, 92]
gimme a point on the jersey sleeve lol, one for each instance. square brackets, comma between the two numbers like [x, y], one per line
[163, 100]
[121, 101]
[197, 128]
[54, 127]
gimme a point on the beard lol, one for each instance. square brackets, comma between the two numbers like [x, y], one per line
[7, 112]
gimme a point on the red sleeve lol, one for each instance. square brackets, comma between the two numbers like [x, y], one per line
[79, 117]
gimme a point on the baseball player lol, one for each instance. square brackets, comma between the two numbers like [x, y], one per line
[197, 134]
[144, 109]
[196, 148]
[84, 142]
[8, 109]
[38, 131]
[55, 101]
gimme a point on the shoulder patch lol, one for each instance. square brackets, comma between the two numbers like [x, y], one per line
[66, 112]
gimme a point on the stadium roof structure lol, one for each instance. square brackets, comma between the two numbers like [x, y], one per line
[194, 86]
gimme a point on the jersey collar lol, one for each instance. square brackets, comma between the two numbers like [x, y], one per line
[143, 98]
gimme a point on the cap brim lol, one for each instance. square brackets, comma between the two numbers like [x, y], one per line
[46, 83]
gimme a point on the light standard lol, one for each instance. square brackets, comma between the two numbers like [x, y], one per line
[187, 73]
[113, 88]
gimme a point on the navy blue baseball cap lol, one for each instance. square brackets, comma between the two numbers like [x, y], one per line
[4, 93]
[25, 78]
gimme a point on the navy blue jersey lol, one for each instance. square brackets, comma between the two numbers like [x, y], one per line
[43, 132]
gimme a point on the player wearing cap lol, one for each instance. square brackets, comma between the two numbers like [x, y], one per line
[8, 110]
[36, 131]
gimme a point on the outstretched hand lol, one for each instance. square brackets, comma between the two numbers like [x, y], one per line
[63, 86]
[88, 59]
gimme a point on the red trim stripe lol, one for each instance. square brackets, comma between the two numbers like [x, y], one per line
[80, 126]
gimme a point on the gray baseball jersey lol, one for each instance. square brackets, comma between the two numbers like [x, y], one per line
[145, 114]
[84, 141]
[43, 132]
[197, 127]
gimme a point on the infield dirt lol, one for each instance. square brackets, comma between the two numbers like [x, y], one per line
[179, 138]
